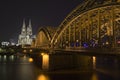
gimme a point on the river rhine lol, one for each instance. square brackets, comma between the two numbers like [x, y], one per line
[24, 68]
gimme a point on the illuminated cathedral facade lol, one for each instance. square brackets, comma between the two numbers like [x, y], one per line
[25, 38]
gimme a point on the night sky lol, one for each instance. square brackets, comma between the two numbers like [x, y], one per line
[41, 13]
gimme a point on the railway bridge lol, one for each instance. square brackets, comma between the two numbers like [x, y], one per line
[93, 27]
[92, 24]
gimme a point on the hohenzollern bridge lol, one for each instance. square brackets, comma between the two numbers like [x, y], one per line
[92, 24]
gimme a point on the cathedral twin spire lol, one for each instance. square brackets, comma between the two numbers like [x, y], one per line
[26, 30]
[25, 38]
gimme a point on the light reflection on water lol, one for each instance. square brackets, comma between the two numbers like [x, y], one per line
[43, 77]
[94, 77]
[5, 58]
[0, 57]
[23, 68]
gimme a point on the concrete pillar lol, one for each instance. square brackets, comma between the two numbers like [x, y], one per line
[45, 61]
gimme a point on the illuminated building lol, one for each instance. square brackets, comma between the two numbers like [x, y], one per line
[5, 43]
[25, 38]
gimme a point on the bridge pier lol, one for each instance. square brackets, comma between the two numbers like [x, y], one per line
[110, 63]
[66, 61]
[83, 62]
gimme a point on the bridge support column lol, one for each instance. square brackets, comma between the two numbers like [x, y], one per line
[45, 61]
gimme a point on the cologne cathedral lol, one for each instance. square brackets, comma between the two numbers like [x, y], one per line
[25, 38]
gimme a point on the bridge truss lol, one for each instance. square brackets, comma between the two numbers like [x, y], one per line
[92, 24]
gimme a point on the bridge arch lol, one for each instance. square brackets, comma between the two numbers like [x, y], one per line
[43, 38]
[94, 23]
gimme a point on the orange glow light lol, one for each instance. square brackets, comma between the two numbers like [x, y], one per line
[43, 77]
[24, 51]
[30, 60]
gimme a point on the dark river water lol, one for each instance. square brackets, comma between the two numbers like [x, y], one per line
[23, 68]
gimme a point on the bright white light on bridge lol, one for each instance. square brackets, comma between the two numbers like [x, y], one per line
[77, 40]
[107, 42]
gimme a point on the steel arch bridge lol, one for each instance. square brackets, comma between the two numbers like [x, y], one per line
[43, 38]
[94, 23]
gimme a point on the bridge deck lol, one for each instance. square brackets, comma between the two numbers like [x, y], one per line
[89, 51]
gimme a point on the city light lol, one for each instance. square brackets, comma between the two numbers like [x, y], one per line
[43, 54]
[24, 51]
[31, 50]
[30, 60]
[84, 46]
[5, 43]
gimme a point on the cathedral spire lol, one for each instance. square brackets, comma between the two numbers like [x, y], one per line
[30, 23]
[29, 28]
[23, 32]
[25, 38]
